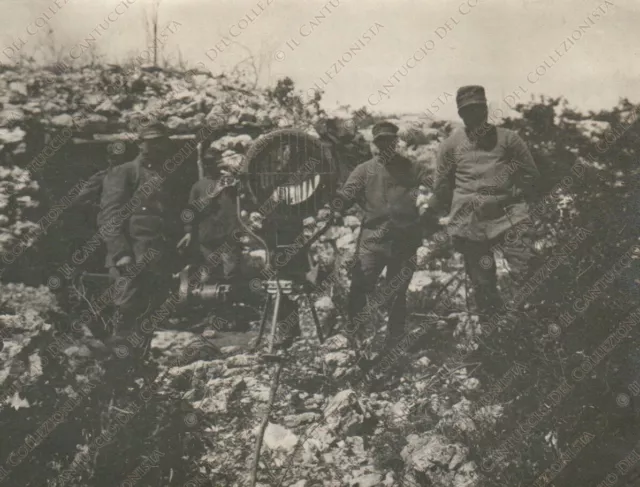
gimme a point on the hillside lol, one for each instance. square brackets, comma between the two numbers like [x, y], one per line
[446, 410]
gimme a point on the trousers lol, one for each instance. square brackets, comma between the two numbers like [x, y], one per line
[229, 258]
[480, 265]
[137, 293]
[372, 256]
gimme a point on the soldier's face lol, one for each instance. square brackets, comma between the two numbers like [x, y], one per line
[386, 144]
[474, 116]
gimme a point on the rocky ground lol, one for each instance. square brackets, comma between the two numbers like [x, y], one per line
[416, 420]
[330, 425]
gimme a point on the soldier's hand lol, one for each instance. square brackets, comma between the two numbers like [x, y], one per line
[124, 261]
[184, 241]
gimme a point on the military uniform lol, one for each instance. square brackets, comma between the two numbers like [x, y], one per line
[132, 222]
[214, 219]
[484, 180]
[386, 188]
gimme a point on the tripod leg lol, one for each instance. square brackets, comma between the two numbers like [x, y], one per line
[274, 320]
[316, 320]
[263, 320]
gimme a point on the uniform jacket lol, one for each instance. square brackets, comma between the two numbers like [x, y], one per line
[214, 211]
[132, 211]
[483, 182]
[386, 190]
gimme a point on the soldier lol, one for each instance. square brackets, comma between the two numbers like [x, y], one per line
[132, 222]
[386, 188]
[212, 221]
[485, 175]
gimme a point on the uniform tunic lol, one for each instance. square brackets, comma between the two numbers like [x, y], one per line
[483, 182]
[387, 192]
[133, 223]
[391, 232]
[133, 211]
[214, 216]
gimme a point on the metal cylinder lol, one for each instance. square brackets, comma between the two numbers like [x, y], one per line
[211, 292]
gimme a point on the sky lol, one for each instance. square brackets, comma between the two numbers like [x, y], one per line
[391, 56]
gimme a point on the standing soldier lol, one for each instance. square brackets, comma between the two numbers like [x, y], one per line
[212, 222]
[132, 222]
[386, 188]
[484, 178]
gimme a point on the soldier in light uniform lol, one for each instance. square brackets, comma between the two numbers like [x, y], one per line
[485, 178]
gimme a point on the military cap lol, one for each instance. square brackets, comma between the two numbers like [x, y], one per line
[470, 95]
[384, 129]
[154, 130]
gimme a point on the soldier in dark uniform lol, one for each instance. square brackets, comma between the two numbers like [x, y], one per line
[132, 222]
[386, 188]
[212, 223]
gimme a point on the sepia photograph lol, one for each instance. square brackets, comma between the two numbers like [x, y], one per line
[319, 243]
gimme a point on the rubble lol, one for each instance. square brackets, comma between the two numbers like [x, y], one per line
[442, 462]
[331, 421]
[348, 415]
[277, 437]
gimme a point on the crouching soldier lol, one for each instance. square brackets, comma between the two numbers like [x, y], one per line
[485, 178]
[211, 222]
[386, 188]
[132, 222]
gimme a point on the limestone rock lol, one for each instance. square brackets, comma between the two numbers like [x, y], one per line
[319, 439]
[420, 281]
[367, 480]
[400, 412]
[422, 254]
[324, 214]
[278, 437]
[326, 312]
[459, 417]
[94, 123]
[11, 116]
[324, 254]
[92, 100]
[222, 392]
[351, 221]
[295, 420]
[63, 120]
[415, 136]
[12, 136]
[18, 87]
[176, 124]
[237, 143]
[241, 361]
[17, 92]
[471, 384]
[346, 241]
[336, 342]
[196, 122]
[442, 462]
[347, 415]
[107, 108]
[487, 416]
[338, 360]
